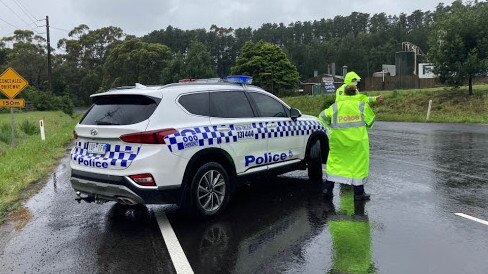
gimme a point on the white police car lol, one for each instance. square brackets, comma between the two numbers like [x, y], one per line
[189, 143]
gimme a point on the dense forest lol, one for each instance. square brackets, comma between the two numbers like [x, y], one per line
[90, 60]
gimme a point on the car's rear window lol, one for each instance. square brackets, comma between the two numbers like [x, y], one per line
[196, 103]
[119, 110]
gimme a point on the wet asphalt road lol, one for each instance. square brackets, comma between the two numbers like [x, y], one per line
[421, 174]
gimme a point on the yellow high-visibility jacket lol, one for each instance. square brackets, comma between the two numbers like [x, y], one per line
[348, 159]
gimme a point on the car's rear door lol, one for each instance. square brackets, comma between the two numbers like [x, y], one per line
[234, 118]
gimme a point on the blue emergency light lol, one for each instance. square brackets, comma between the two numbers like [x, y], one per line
[238, 79]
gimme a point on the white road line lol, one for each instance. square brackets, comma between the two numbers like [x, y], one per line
[472, 218]
[176, 253]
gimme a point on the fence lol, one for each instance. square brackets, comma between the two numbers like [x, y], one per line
[397, 82]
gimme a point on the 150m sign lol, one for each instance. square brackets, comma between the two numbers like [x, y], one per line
[12, 103]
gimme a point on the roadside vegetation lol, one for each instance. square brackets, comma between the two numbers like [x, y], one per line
[448, 105]
[29, 159]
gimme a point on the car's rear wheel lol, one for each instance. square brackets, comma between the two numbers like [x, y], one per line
[210, 190]
[314, 162]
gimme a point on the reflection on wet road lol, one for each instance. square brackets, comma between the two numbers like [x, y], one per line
[421, 174]
[67, 237]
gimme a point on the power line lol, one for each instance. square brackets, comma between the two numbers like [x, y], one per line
[24, 8]
[15, 13]
[59, 29]
[9, 24]
[26, 14]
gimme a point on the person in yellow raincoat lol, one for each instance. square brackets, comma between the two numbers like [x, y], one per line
[348, 159]
[353, 78]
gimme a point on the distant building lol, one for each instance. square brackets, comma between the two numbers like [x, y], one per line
[322, 83]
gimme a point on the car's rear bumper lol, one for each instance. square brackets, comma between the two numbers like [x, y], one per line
[110, 187]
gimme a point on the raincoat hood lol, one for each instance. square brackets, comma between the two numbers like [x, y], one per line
[349, 76]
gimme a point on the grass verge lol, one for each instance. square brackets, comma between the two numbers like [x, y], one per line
[30, 159]
[448, 105]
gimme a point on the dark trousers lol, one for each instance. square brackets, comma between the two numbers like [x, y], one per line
[328, 186]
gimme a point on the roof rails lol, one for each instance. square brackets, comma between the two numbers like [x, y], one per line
[207, 80]
[231, 79]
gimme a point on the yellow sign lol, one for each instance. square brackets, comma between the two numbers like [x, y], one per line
[12, 103]
[11, 83]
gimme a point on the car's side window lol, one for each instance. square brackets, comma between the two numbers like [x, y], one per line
[268, 106]
[230, 104]
[196, 103]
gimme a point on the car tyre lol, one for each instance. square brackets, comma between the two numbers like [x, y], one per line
[314, 162]
[210, 190]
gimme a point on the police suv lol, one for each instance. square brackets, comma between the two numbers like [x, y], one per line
[189, 143]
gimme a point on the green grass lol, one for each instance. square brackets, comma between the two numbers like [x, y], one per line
[30, 159]
[448, 105]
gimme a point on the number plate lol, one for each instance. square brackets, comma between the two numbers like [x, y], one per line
[97, 148]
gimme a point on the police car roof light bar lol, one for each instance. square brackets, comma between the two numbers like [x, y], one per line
[238, 79]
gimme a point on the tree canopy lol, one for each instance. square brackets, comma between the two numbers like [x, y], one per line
[134, 61]
[268, 65]
[459, 45]
[90, 60]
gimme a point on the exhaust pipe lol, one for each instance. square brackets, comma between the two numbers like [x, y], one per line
[90, 198]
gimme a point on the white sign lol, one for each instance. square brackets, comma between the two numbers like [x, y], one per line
[426, 70]
[389, 68]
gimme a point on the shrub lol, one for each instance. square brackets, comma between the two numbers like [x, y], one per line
[29, 128]
[5, 133]
[42, 101]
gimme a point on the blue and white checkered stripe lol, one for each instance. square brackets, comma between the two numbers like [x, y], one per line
[288, 128]
[117, 156]
[210, 135]
[199, 137]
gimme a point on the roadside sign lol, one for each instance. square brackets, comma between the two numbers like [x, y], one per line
[12, 103]
[11, 83]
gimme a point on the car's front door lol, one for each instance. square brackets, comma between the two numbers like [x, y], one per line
[284, 138]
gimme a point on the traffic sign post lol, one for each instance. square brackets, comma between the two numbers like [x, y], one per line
[11, 84]
[12, 103]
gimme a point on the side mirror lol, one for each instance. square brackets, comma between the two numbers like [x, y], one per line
[295, 113]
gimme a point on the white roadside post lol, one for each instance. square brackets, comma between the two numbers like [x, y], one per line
[41, 126]
[428, 110]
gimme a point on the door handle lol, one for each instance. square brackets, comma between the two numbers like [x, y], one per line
[223, 128]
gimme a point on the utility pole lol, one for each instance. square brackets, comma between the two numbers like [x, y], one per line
[49, 66]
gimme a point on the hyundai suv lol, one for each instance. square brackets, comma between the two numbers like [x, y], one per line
[189, 143]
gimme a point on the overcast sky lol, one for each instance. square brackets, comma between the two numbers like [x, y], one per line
[140, 17]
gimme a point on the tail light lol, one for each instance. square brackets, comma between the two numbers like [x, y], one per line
[144, 179]
[148, 137]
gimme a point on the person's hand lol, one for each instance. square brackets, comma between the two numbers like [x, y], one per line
[379, 99]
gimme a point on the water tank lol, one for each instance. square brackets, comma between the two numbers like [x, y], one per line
[405, 62]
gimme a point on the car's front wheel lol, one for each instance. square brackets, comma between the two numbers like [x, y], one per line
[314, 163]
[210, 190]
